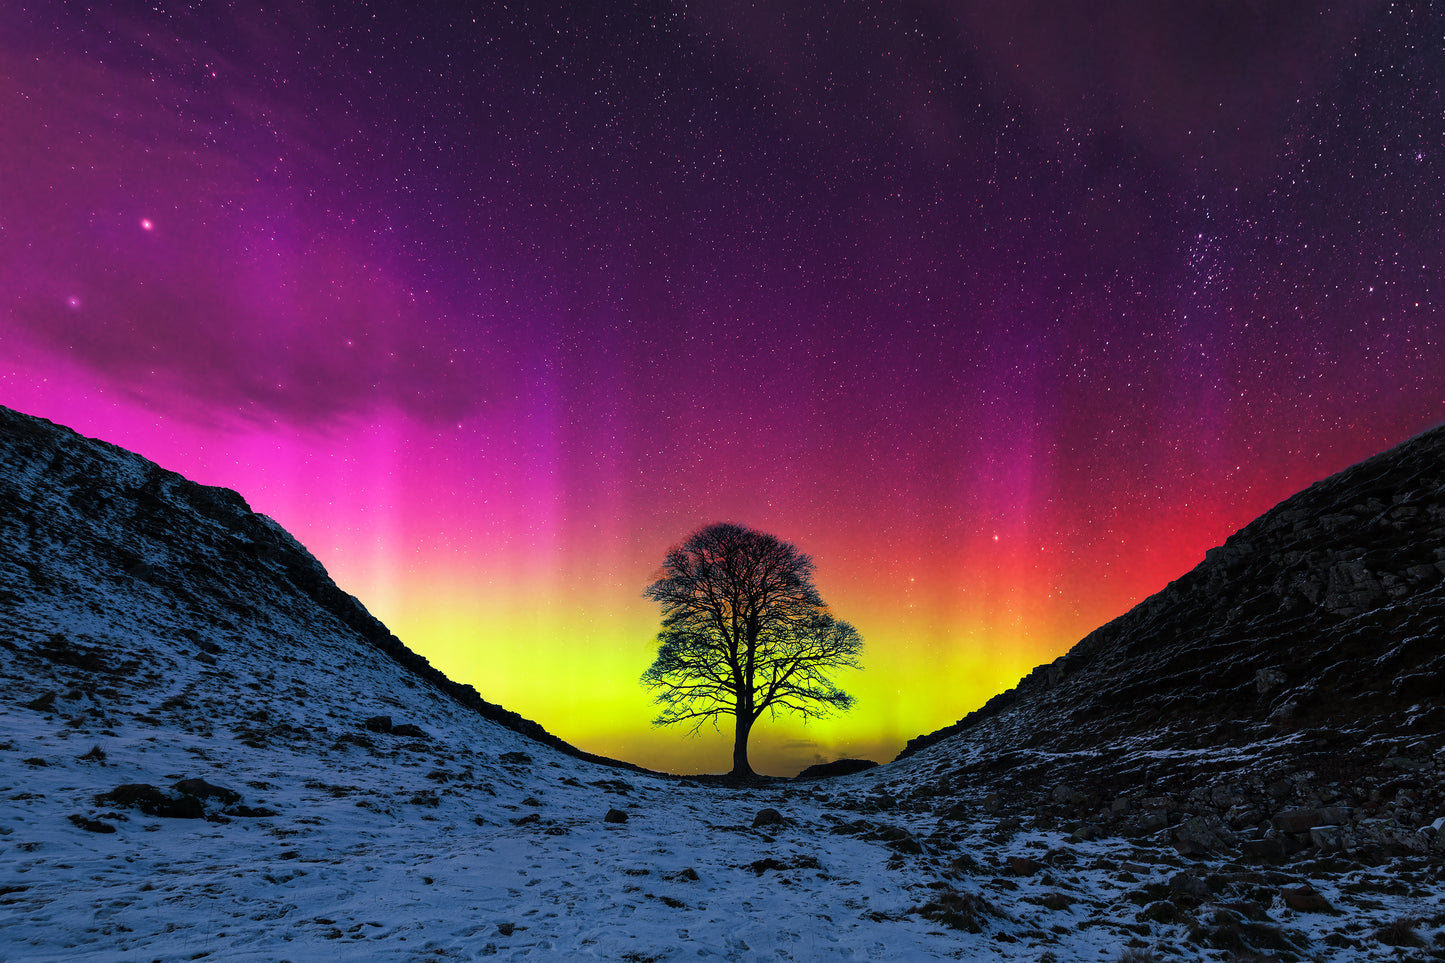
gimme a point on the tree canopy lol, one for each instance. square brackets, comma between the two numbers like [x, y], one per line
[744, 631]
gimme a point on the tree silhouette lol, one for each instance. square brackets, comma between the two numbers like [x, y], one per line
[744, 632]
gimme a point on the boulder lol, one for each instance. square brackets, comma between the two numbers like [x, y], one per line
[1024, 866]
[838, 767]
[381, 724]
[1304, 899]
[1267, 680]
[1201, 835]
[768, 817]
[1268, 850]
[204, 790]
[615, 816]
[1055, 900]
[153, 801]
[1189, 886]
[1303, 820]
[41, 703]
[958, 811]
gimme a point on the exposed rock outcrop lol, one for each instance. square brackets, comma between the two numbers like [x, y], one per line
[1287, 693]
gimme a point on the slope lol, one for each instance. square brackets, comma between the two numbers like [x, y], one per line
[1303, 662]
[208, 752]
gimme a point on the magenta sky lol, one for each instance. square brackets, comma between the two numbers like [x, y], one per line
[1004, 317]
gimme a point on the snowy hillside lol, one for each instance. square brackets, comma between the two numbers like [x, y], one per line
[208, 752]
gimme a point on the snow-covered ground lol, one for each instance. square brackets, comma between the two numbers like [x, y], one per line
[149, 636]
[467, 842]
[446, 847]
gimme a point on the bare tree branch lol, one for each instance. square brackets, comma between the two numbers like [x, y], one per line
[744, 632]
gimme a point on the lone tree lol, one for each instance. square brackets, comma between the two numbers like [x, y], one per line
[744, 632]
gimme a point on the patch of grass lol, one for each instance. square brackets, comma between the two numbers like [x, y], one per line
[1400, 932]
[968, 912]
[1228, 931]
[1140, 956]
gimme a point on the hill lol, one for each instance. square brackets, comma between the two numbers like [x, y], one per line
[1312, 640]
[208, 751]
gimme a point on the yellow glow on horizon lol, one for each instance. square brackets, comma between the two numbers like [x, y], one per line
[577, 675]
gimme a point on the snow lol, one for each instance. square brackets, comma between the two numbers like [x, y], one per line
[452, 846]
[357, 855]
[357, 864]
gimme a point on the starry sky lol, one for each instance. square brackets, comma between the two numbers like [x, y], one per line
[1005, 313]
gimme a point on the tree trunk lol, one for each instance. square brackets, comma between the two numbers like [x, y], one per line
[740, 745]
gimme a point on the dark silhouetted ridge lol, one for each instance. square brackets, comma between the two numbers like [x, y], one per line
[73, 504]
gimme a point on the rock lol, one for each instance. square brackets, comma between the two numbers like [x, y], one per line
[1331, 839]
[380, 724]
[409, 731]
[531, 819]
[1189, 886]
[899, 840]
[761, 866]
[958, 812]
[1151, 821]
[1267, 850]
[1201, 835]
[516, 758]
[354, 739]
[838, 767]
[688, 875]
[992, 804]
[1303, 820]
[1284, 713]
[1243, 816]
[1267, 680]
[1024, 866]
[882, 801]
[1390, 837]
[1161, 911]
[204, 790]
[153, 801]
[1056, 901]
[1067, 796]
[250, 812]
[91, 825]
[1304, 899]
[41, 703]
[768, 817]
[615, 816]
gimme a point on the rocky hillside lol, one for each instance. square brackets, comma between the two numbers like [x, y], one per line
[79, 516]
[1299, 669]
[207, 751]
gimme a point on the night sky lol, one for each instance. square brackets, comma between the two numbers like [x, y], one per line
[1005, 313]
